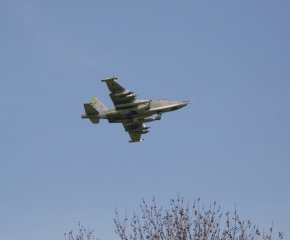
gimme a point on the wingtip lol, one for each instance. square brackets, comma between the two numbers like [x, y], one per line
[141, 140]
[109, 79]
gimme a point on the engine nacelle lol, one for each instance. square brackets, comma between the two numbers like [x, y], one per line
[113, 113]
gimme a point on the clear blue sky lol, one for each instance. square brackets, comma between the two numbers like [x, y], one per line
[231, 146]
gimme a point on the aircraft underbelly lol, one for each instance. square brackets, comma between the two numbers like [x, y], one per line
[163, 109]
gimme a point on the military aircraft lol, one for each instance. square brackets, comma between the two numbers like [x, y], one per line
[129, 111]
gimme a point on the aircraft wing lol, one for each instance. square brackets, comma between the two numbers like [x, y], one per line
[135, 131]
[113, 85]
[119, 95]
[135, 137]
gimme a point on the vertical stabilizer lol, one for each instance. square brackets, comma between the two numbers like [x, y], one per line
[98, 105]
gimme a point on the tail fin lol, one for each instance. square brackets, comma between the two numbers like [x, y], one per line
[94, 110]
[98, 105]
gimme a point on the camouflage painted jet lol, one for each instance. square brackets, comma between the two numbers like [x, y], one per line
[129, 111]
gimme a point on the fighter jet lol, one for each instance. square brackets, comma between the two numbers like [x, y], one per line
[129, 111]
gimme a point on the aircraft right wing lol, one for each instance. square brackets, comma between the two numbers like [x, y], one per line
[113, 85]
[119, 95]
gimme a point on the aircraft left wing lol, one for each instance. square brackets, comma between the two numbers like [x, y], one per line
[119, 95]
[135, 131]
[135, 137]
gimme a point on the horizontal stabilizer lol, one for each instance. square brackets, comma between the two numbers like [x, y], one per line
[90, 110]
[95, 120]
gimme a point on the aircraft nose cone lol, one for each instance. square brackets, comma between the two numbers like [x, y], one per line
[183, 104]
